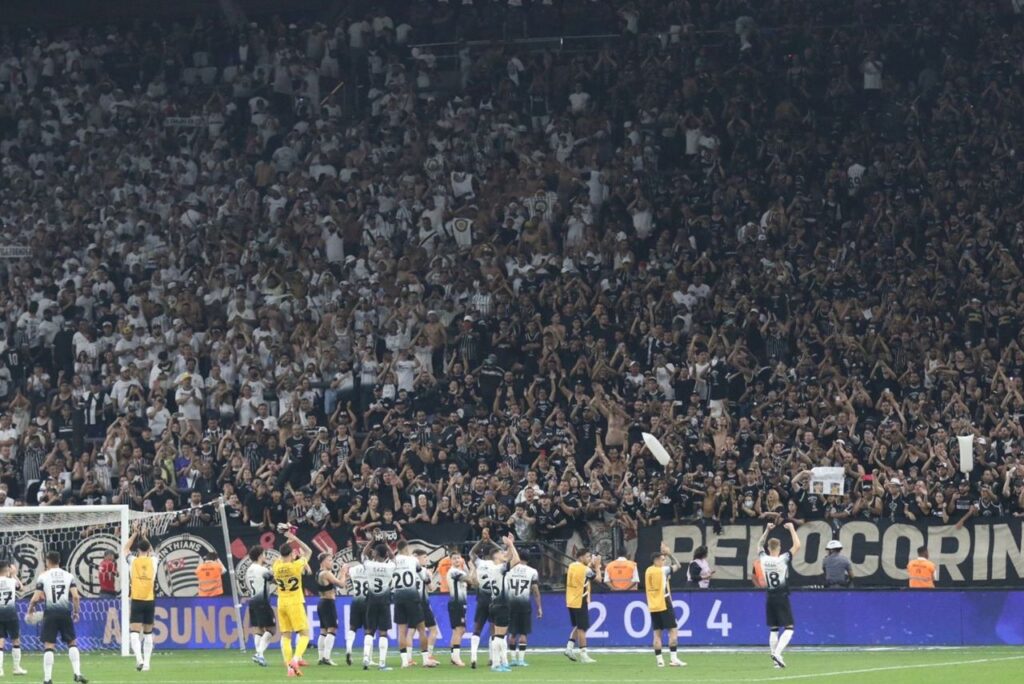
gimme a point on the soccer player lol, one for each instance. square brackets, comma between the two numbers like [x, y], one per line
[577, 595]
[10, 627]
[57, 591]
[291, 601]
[260, 581]
[521, 582]
[354, 576]
[379, 571]
[458, 581]
[327, 585]
[779, 613]
[424, 585]
[142, 577]
[495, 570]
[659, 602]
[483, 601]
[408, 607]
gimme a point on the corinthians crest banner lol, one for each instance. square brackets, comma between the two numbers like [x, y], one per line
[180, 552]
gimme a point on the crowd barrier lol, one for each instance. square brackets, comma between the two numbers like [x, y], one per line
[709, 618]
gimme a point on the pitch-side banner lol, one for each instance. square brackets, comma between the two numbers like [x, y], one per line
[869, 618]
[181, 550]
[978, 554]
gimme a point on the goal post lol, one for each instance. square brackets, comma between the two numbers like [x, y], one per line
[83, 535]
[229, 561]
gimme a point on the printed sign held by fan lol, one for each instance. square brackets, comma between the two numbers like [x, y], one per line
[656, 448]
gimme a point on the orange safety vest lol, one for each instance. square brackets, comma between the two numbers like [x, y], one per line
[759, 580]
[209, 575]
[620, 574]
[442, 569]
[922, 573]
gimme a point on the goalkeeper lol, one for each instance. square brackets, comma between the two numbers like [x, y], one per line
[291, 601]
[142, 576]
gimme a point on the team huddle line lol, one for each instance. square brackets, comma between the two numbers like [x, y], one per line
[507, 593]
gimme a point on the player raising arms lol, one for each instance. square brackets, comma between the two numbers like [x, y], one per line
[659, 602]
[577, 596]
[327, 585]
[425, 585]
[408, 606]
[260, 582]
[483, 597]
[492, 574]
[379, 571]
[291, 601]
[57, 591]
[521, 582]
[138, 553]
[458, 581]
[10, 627]
[354, 577]
[779, 612]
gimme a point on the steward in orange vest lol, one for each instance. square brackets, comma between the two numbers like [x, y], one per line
[921, 571]
[210, 573]
[621, 574]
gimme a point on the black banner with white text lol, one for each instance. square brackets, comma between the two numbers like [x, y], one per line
[989, 553]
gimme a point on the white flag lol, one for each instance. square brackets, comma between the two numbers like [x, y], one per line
[966, 453]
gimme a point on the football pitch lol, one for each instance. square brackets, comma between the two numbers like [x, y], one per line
[932, 666]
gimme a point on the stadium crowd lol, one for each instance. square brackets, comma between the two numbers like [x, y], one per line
[457, 288]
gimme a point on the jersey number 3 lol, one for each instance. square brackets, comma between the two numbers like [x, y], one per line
[290, 584]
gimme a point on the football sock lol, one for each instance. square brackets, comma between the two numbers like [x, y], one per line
[350, 638]
[265, 642]
[286, 648]
[328, 645]
[784, 638]
[76, 661]
[300, 648]
[773, 640]
[382, 643]
[474, 646]
[147, 648]
[48, 665]
[135, 639]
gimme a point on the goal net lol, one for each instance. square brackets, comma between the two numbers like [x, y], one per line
[83, 536]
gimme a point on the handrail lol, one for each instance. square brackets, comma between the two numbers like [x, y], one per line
[516, 41]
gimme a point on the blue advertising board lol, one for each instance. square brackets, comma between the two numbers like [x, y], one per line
[734, 618]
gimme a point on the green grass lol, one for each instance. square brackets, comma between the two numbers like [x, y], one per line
[939, 666]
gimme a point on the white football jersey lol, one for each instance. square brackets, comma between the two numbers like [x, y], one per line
[260, 582]
[358, 585]
[56, 585]
[776, 572]
[406, 575]
[379, 575]
[518, 583]
[457, 579]
[491, 576]
[8, 597]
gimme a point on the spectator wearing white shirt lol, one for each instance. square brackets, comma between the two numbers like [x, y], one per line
[190, 401]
